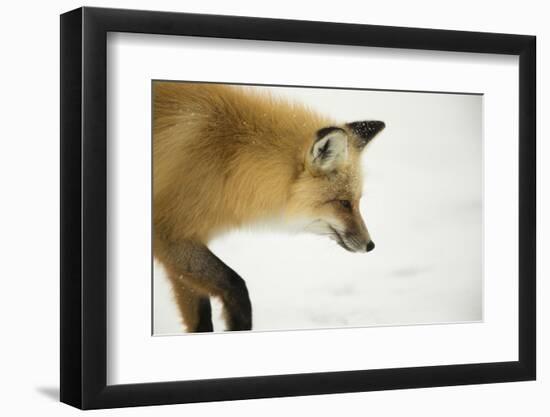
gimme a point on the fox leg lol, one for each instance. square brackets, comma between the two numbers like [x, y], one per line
[207, 274]
[194, 307]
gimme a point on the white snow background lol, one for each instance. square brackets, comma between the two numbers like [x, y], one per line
[422, 204]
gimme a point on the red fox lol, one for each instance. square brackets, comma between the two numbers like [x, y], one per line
[226, 156]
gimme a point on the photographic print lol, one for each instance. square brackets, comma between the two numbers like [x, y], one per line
[356, 203]
[286, 208]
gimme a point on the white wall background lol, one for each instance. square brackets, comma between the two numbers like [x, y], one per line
[29, 221]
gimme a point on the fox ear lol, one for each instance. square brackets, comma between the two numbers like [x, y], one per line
[329, 150]
[365, 131]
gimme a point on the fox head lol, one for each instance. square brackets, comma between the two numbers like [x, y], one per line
[328, 189]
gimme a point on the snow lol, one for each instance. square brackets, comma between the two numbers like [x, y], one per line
[422, 205]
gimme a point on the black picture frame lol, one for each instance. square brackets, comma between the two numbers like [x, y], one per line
[84, 207]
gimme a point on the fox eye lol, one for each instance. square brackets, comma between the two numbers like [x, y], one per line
[345, 204]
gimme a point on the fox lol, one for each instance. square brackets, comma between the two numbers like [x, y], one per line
[227, 156]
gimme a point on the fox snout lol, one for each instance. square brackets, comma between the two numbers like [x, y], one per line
[355, 237]
[354, 243]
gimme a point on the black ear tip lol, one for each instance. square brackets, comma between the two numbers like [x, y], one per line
[367, 129]
[376, 125]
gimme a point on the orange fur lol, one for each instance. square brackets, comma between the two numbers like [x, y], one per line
[226, 156]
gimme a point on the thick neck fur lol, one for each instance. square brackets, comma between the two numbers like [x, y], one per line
[224, 157]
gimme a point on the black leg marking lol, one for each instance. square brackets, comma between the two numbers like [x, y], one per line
[238, 310]
[205, 316]
[209, 275]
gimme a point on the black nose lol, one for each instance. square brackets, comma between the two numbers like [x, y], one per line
[370, 246]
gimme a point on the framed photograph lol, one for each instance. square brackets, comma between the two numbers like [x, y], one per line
[260, 208]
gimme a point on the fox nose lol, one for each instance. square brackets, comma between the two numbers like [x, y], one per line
[370, 246]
